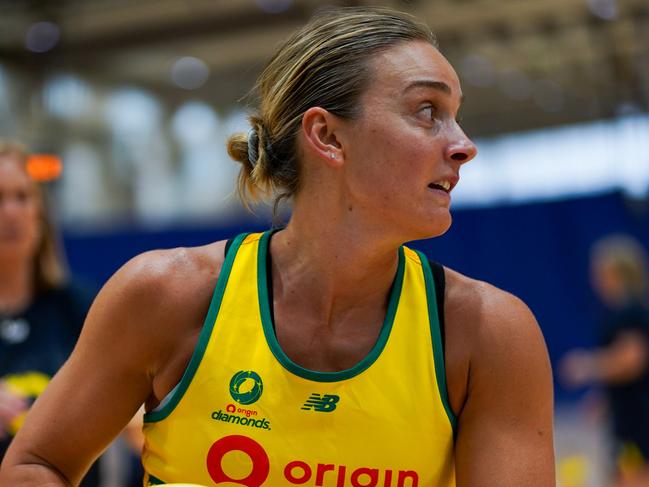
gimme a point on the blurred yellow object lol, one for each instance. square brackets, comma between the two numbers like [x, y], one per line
[29, 385]
[573, 471]
[44, 167]
[181, 485]
[630, 460]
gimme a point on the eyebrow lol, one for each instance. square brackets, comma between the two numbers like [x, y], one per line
[436, 85]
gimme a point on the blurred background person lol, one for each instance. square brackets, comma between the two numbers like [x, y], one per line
[619, 275]
[41, 310]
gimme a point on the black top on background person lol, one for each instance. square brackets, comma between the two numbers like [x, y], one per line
[620, 277]
[41, 311]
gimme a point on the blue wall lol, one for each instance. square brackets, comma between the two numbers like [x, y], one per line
[538, 252]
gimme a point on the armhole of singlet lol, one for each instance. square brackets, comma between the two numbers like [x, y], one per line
[170, 402]
[440, 287]
[228, 244]
[435, 299]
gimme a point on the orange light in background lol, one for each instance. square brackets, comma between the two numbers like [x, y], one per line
[44, 167]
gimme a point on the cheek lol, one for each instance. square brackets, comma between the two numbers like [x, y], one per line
[390, 160]
[394, 173]
[33, 221]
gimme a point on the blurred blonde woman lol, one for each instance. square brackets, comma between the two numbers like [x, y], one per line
[41, 311]
[325, 353]
[620, 277]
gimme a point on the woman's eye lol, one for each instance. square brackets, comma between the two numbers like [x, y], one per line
[429, 111]
[22, 196]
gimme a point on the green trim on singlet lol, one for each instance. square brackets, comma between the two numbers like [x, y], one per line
[436, 335]
[287, 363]
[203, 338]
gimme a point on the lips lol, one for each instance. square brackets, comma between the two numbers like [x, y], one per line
[442, 186]
[445, 184]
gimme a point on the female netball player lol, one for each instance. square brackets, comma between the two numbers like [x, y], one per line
[325, 353]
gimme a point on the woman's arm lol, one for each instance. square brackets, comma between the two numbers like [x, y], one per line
[623, 361]
[147, 314]
[505, 427]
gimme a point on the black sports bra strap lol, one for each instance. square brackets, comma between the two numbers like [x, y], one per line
[440, 285]
[228, 244]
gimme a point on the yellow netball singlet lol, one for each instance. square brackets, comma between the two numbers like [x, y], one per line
[245, 414]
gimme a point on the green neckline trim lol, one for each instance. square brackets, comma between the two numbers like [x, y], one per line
[203, 338]
[436, 335]
[313, 375]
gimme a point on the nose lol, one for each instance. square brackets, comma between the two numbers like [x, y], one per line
[8, 206]
[461, 149]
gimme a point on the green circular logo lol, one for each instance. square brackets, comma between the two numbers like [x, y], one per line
[246, 387]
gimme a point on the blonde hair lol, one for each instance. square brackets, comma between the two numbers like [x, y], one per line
[628, 258]
[324, 64]
[50, 270]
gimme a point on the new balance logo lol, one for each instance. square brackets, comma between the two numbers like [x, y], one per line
[322, 403]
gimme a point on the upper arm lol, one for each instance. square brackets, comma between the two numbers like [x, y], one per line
[505, 428]
[623, 361]
[130, 332]
[633, 350]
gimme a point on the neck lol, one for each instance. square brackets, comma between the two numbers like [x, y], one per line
[333, 264]
[16, 285]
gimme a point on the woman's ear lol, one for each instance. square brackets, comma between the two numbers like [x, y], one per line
[319, 129]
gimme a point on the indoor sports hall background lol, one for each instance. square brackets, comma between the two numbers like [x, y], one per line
[137, 99]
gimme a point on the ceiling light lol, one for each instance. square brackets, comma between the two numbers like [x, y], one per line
[195, 123]
[189, 73]
[604, 9]
[274, 6]
[42, 36]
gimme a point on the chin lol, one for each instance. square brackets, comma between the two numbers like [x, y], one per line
[435, 226]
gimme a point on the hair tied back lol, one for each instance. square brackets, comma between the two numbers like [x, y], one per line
[253, 146]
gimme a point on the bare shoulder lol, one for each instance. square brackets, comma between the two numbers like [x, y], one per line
[492, 340]
[487, 313]
[499, 385]
[170, 275]
[156, 304]
[160, 281]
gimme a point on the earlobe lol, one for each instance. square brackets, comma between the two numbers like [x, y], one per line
[319, 130]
